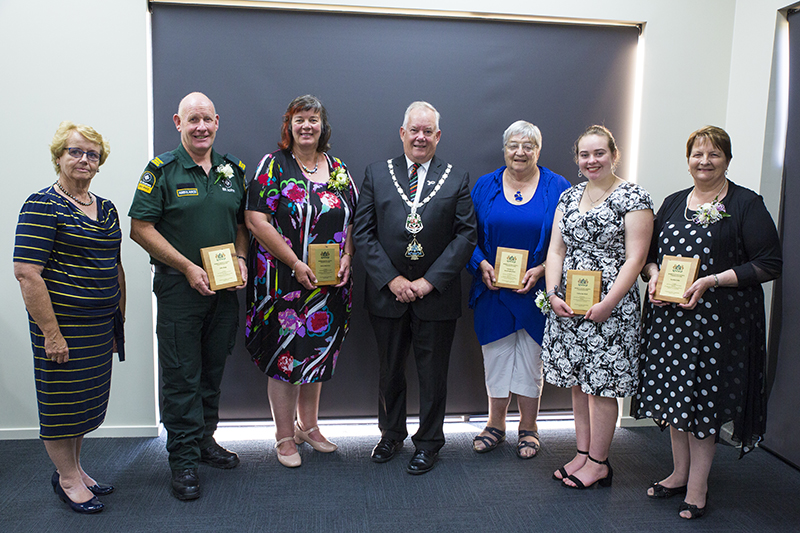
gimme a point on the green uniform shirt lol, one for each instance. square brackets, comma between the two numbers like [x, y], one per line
[191, 210]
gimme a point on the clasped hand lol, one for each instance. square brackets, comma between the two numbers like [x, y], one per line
[406, 291]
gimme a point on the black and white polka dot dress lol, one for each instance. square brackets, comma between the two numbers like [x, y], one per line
[680, 347]
[704, 368]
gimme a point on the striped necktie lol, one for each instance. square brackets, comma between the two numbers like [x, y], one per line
[412, 180]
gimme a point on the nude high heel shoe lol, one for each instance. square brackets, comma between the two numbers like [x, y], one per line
[301, 436]
[289, 461]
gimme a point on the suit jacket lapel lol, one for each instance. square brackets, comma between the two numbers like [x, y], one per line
[401, 171]
[435, 170]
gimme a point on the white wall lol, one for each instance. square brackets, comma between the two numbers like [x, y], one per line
[84, 61]
[706, 62]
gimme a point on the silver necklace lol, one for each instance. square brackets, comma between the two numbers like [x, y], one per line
[84, 204]
[689, 200]
[316, 166]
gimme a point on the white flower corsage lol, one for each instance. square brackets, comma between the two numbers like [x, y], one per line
[542, 302]
[709, 213]
[224, 171]
[339, 179]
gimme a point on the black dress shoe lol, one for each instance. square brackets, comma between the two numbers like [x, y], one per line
[97, 489]
[91, 506]
[218, 457]
[385, 449]
[101, 490]
[185, 484]
[422, 462]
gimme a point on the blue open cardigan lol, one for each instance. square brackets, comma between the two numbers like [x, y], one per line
[489, 187]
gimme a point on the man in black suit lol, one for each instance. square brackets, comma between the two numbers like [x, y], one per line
[415, 231]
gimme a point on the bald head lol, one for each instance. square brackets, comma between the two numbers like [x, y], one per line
[197, 120]
[193, 100]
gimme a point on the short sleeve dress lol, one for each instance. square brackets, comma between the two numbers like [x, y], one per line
[80, 258]
[294, 334]
[599, 357]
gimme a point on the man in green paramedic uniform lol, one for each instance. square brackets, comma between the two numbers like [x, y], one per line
[189, 199]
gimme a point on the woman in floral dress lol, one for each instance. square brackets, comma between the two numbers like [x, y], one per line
[604, 225]
[299, 196]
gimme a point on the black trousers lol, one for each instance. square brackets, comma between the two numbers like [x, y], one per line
[431, 341]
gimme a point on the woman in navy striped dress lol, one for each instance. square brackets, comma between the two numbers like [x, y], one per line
[67, 262]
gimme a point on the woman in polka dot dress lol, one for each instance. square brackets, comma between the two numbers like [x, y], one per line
[703, 362]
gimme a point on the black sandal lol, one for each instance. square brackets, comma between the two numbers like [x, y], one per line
[522, 444]
[602, 482]
[662, 492]
[491, 441]
[563, 471]
[694, 510]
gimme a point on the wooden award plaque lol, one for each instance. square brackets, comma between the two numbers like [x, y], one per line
[222, 266]
[509, 267]
[583, 289]
[675, 276]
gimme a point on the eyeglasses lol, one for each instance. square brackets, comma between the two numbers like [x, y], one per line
[527, 148]
[77, 153]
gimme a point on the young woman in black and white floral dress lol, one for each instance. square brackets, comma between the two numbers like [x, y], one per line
[605, 225]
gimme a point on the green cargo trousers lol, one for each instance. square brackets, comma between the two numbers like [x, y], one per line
[195, 336]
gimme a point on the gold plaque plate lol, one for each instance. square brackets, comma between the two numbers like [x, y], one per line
[323, 259]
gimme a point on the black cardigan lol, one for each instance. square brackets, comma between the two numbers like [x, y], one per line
[757, 259]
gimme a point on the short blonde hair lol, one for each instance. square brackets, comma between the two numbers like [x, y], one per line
[62, 134]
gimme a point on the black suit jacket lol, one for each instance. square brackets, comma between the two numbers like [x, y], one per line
[448, 237]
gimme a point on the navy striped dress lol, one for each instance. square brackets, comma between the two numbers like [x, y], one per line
[79, 256]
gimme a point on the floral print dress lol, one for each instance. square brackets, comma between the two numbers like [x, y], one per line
[602, 358]
[294, 334]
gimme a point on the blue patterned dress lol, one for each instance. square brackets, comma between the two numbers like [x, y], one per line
[294, 334]
[80, 257]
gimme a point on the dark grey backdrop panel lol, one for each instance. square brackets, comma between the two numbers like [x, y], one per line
[782, 435]
[481, 76]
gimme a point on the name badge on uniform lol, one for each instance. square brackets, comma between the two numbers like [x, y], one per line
[187, 189]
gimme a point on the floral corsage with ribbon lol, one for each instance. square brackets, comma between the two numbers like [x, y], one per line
[224, 171]
[709, 213]
[339, 179]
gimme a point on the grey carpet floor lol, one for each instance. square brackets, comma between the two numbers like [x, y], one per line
[345, 492]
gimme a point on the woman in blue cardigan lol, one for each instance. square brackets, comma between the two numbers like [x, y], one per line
[514, 206]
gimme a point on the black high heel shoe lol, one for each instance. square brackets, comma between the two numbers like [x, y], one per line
[603, 482]
[91, 506]
[563, 471]
[97, 489]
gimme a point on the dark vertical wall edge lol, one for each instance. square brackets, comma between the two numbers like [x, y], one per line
[782, 435]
